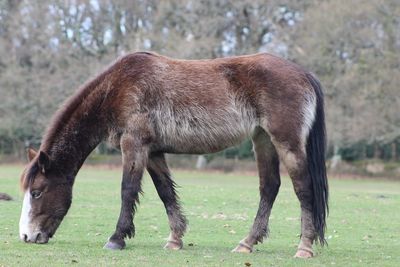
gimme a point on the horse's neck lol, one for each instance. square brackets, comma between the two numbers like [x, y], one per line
[70, 151]
[74, 141]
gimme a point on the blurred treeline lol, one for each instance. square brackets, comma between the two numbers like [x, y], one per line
[49, 48]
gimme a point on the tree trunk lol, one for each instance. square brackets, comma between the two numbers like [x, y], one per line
[377, 151]
[394, 151]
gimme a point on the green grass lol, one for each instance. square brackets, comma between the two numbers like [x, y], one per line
[363, 226]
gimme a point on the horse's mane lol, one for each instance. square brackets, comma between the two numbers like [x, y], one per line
[29, 174]
[64, 113]
[59, 121]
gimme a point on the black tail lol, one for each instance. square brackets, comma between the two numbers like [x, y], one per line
[316, 146]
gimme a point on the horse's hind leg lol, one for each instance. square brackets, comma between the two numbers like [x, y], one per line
[295, 160]
[165, 186]
[268, 167]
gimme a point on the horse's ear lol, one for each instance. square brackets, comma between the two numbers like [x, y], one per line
[43, 162]
[31, 154]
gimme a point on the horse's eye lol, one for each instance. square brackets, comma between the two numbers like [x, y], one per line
[36, 194]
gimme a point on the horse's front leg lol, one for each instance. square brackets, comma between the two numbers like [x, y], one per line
[134, 157]
[159, 172]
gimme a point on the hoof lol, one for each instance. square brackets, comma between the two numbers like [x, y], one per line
[115, 245]
[173, 245]
[304, 254]
[242, 248]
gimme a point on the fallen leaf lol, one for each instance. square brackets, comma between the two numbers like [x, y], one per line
[367, 237]
[381, 196]
[240, 217]
[219, 215]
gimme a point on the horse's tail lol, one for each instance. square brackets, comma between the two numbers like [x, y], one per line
[316, 146]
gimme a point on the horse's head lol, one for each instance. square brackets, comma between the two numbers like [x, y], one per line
[48, 195]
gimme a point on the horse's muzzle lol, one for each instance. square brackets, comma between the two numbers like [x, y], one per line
[37, 237]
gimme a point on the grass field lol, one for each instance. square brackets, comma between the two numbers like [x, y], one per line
[363, 226]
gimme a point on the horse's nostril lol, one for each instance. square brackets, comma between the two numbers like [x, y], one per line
[37, 237]
[25, 238]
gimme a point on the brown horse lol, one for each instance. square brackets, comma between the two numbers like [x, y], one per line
[148, 105]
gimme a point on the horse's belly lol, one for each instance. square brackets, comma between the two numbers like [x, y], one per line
[195, 144]
[204, 133]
